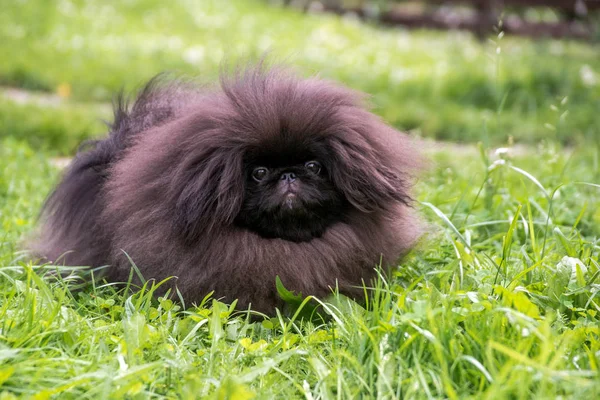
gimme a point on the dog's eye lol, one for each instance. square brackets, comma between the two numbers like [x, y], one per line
[313, 166]
[260, 173]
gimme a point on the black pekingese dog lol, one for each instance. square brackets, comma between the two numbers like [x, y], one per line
[270, 175]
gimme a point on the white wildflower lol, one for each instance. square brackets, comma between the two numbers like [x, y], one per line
[588, 76]
[496, 164]
[193, 55]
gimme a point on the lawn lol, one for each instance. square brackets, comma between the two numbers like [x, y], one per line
[499, 300]
[446, 86]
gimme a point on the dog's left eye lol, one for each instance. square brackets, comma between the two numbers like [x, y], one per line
[313, 166]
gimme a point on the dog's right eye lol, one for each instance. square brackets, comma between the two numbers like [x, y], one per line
[260, 173]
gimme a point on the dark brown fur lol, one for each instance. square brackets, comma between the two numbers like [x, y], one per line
[168, 183]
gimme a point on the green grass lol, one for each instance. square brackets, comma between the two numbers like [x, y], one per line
[500, 302]
[59, 128]
[447, 86]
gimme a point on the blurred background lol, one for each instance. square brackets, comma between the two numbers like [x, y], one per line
[488, 71]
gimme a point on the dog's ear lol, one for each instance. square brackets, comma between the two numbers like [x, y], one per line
[364, 174]
[211, 192]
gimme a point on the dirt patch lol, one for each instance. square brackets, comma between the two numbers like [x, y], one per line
[21, 96]
[44, 99]
[60, 162]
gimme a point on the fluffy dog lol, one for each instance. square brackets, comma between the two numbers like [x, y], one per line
[227, 188]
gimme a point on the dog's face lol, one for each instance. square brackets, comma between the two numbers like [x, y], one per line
[283, 158]
[289, 194]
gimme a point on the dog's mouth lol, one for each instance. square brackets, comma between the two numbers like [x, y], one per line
[292, 204]
[290, 201]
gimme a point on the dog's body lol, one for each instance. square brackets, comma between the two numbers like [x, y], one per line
[169, 188]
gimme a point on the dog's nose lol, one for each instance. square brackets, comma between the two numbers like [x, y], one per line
[288, 177]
